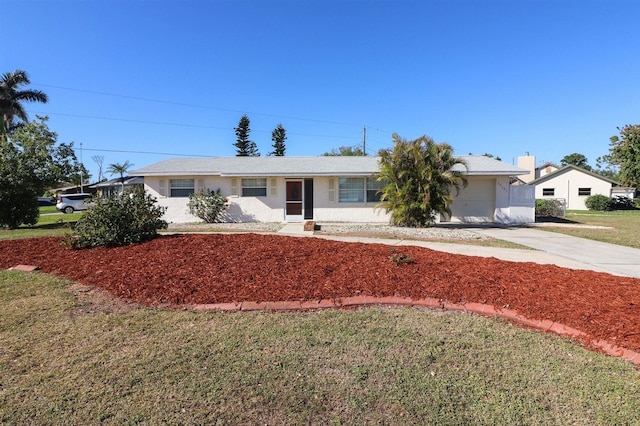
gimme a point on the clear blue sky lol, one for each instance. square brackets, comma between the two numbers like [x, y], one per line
[487, 76]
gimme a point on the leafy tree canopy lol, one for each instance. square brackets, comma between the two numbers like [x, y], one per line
[419, 178]
[347, 151]
[576, 159]
[31, 162]
[245, 147]
[278, 136]
[606, 169]
[624, 152]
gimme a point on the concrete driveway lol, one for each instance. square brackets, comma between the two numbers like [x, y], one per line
[550, 248]
[604, 257]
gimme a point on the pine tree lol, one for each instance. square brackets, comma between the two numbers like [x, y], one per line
[278, 136]
[245, 146]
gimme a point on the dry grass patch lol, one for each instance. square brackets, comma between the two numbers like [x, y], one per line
[118, 363]
[619, 227]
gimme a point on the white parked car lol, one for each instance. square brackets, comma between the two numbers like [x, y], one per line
[68, 203]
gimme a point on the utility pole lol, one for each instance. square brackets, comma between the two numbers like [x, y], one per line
[364, 140]
[81, 177]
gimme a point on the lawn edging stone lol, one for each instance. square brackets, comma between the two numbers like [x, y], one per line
[481, 309]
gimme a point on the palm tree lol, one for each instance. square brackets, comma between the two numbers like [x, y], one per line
[120, 169]
[11, 99]
[418, 178]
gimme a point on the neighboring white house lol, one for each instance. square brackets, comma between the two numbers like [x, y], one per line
[327, 188]
[573, 185]
[528, 162]
[569, 184]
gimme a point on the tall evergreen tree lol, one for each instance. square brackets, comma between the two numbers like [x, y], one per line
[278, 136]
[245, 147]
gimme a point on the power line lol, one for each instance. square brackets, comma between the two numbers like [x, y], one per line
[146, 152]
[130, 120]
[164, 123]
[193, 105]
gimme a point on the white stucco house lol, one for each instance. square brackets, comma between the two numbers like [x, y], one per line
[324, 189]
[573, 185]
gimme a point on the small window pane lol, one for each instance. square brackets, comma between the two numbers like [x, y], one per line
[584, 191]
[373, 190]
[254, 187]
[351, 190]
[548, 191]
[181, 187]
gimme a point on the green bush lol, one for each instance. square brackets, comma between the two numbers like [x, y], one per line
[553, 208]
[207, 205]
[623, 203]
[120, 220]
[598, 202]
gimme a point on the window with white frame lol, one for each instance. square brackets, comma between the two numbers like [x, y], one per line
[181, 187]
[359, 190]
[254, 187]
[373, 190]
[351, 190]
[584, 191]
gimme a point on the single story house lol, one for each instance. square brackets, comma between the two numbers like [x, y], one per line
[573, 185]
[327, 188]
[114, 186]
[528, 162]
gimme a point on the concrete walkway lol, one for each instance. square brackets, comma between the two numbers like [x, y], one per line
[295, 229]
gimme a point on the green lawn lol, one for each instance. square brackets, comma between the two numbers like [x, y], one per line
[51, 223]
[69, 357]
[622, 226]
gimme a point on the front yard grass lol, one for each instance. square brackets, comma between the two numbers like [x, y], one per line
[51, 223]
[69, 356]
[622, 226]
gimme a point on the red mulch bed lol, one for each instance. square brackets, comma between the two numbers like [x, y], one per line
[203, 269]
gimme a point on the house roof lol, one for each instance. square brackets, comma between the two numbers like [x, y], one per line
[568, 168]
[548, 164]
[128, 180]
[305, 166]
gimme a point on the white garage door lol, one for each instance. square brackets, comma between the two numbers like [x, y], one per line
[476, 202]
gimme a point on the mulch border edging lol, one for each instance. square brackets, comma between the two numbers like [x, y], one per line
[431, 303]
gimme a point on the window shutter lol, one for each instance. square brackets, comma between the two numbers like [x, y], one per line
[332, 190]
[163, 188]
[234, 186]
[200, 186]
[273, 187]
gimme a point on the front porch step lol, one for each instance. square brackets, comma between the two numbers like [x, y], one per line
[297, 228]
